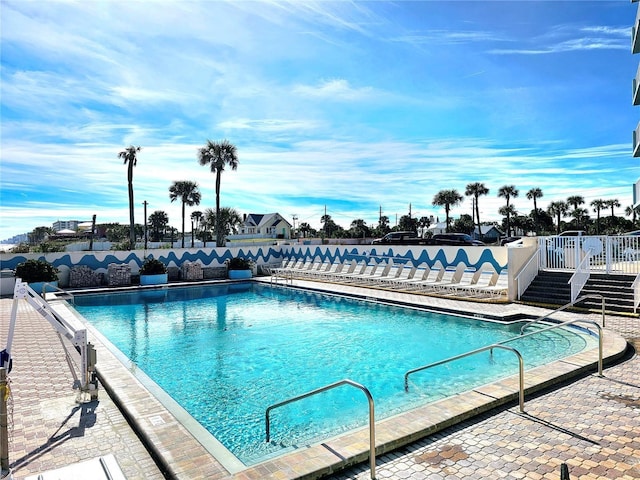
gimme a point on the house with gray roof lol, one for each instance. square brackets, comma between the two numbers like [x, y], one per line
[263, 226]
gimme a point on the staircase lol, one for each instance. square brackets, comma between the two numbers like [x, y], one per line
[552, 288]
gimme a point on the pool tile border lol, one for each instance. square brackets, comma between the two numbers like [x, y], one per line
[183, 455]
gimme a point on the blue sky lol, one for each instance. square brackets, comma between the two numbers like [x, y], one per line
[355, 106]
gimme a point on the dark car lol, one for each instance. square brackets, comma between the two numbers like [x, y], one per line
[399, 238]
[455, 239]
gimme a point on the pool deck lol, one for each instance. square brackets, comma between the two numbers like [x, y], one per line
[592, 424]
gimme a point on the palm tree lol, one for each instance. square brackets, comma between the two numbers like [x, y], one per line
[130, 155]
[632, 212]
[612, 203]
[598, 204]
[218, 155]
[196, 217]
[575, 201]
[188, 193]
[558, 210]
[226, 221]
[534, 194]
[158, 222]
[476, 189]
[508, 211]
[507, 192]
[447, 199]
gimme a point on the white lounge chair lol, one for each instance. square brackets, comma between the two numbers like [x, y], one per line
[499, 288]
[484, 278]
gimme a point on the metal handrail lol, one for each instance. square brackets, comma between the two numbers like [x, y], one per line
[58, 289]
[571, 304]
[636, 293]
[564, 324]
[372, 433]
[473, 352]
[525, 270]
[581, 275]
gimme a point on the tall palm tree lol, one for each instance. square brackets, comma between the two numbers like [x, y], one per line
[558, 209]
[507, 192]
[598, 204]
[218, 155]
[188, 193]
[130, 156]
[476, 189]
[447, 199]
[534, 194]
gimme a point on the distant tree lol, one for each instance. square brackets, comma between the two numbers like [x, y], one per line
[227, 221]
[305, 229]
[218, 155]
[188, 194]
[447, 199]
[475, 190]
[39, 235]
[613, 203]
[580, 218]
[196, 218]
[507, 211]
[408, 224]
[534, 194]
[558, 209]
[522, 224]
[359, 229]
[329, 227]
[508, 192]
[383, 226]
[423, 224]
[632, 212]
[598, 204]
[575, 201]
[464, 224]
[158, 222]
[130, 156]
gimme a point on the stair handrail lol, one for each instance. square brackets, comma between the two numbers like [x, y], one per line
[580, 277]
[528, 272]
[636, 293]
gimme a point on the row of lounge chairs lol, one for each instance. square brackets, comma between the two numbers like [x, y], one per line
[458, 280]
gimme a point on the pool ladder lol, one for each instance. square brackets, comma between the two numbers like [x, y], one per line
[372, 428]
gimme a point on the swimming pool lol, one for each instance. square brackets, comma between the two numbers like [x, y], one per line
[225, 353]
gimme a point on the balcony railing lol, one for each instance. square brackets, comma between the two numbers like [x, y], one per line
[636, 141]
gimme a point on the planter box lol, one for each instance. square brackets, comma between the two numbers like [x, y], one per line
[158, 279]
[240, 274]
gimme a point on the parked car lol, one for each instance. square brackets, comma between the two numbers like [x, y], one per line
[400, 238]
[572, 233]
[506, 240]
[455, 239]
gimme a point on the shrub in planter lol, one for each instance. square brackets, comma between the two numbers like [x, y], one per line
[240, 268]
[32, 271]
[239, 263]
[151, 266]
[153, 272]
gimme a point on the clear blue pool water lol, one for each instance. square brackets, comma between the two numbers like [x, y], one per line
[227, 352]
